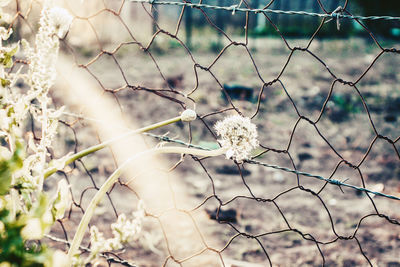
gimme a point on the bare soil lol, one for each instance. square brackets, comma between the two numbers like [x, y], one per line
[278, 217]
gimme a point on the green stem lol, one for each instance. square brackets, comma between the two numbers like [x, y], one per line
[100, 146]
[116, 174]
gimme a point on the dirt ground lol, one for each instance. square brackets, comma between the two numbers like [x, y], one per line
[272, 215]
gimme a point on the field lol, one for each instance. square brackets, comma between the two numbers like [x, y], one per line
[248, 214]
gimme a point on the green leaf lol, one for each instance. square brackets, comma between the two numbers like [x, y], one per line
[5, 82]
[5, 177]
[9, 166]
[7, 57]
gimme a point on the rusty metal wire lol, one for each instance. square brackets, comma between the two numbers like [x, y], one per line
[295, 207]
[331, 181]
[233, 8]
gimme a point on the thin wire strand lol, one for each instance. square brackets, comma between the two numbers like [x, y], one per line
[235, 8]
[162, 93]
[277, 167]
[331, 181]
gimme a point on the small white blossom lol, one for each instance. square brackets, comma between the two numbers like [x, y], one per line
[61, 20]
[124, 231]
[61, 200]
[5, 33]
[127, 230]
[4, 3]
[97, 240]
[5, 120]
[7, 18]
[113, 244]
[99, 244]
[60, 259]
[238, 135]
[32, 230]
[47, 219]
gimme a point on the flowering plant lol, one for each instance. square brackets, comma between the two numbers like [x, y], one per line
[26, 212]
[238, 135]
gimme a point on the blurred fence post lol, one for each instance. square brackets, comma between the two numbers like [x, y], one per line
[261, 20]
[220, 22]
[154, 13]
[316, 8]
[283, 19]
[255, 15]
[277, 6]
[303, 19]
[188, 26]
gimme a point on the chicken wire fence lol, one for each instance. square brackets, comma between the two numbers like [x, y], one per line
[321, 189]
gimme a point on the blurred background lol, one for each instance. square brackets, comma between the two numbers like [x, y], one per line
[324, 94]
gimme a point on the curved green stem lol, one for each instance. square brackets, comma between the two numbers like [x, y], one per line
[116, 174]
[100, 146]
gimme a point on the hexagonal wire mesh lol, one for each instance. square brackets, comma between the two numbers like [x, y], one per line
[336, 124]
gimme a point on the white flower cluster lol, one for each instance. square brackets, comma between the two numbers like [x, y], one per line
[238, 135]
[54, 23]
[30, 206]
[37, 226]
[125, 231]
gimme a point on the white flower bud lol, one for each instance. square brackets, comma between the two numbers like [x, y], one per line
[61, 201]
[5, 33]
[60, 259]
[61, 20]
[188, 115]
[32, 230]
[5, 154]
[239, 136]
[47, 218]
[3, 3]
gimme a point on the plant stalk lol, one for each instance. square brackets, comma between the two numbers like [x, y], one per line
[92, 149]
[116, 174]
